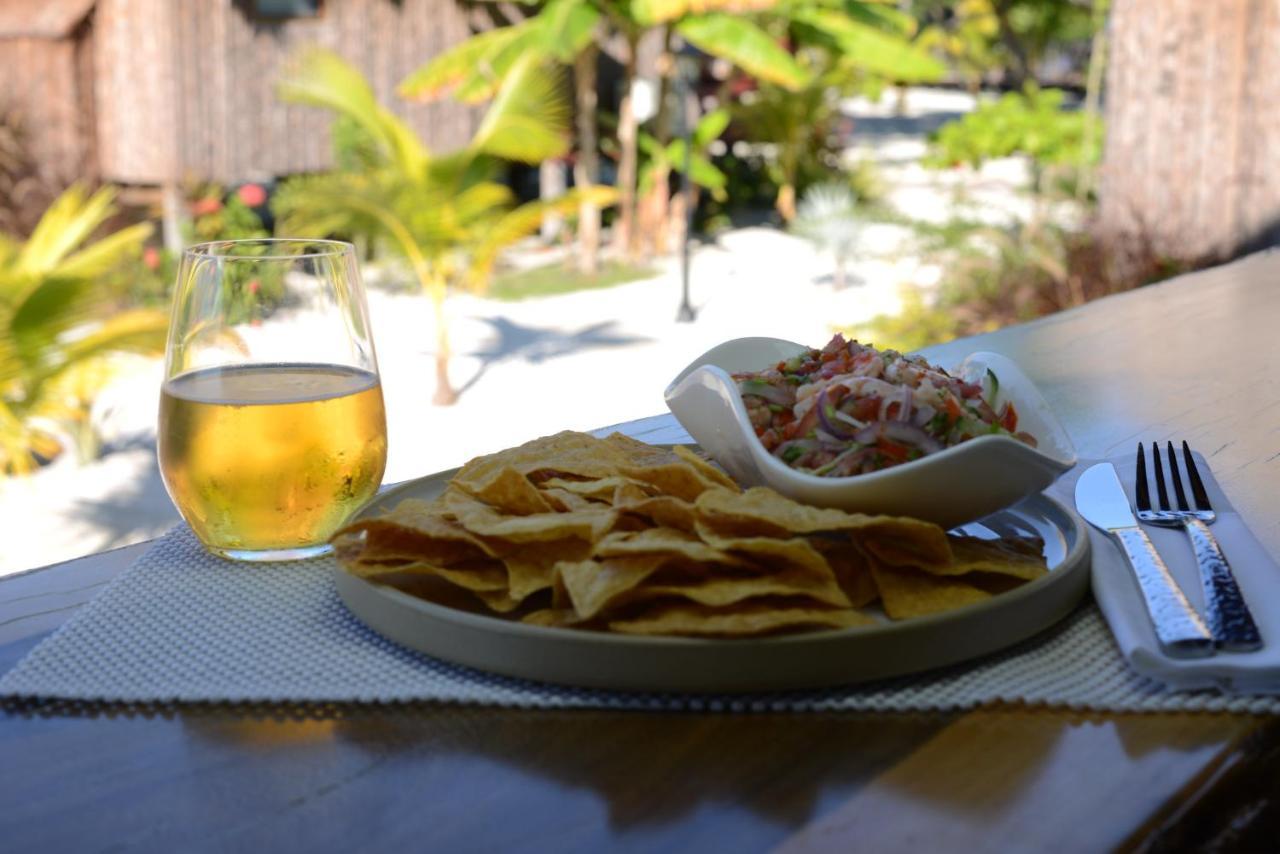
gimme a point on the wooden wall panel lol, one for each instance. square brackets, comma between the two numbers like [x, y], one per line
[41, 80]
[1193, 125]
[207, 109]
[136, 90]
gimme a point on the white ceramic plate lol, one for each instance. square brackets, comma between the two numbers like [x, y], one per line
[812, 660]
[954, 486]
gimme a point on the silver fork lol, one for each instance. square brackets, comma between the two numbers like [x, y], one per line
[1226, 612]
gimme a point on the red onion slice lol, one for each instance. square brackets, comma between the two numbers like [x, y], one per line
[781, 395]
[898, 431]
[832, 425]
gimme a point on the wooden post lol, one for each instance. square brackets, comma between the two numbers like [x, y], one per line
[172, 215]
[1193, 121]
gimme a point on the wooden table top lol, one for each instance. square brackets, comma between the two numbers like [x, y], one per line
[1193, 358]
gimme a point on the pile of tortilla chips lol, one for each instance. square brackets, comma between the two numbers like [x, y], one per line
[613, 534]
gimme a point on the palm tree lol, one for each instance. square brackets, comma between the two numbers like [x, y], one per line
[448, 215]
[57, 299]
[573, 31]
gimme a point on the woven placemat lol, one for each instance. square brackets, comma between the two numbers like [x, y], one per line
[182, 626]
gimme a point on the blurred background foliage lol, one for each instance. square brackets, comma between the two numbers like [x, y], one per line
[61, 315]
[754, 93]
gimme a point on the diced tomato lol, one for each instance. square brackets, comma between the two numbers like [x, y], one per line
[1009, 418]
[968, 390]
[866, 409]
[892, 450]
[952, 406]
[801, 428]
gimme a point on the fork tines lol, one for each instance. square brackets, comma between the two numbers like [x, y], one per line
[1142, 494]
[1197, 485]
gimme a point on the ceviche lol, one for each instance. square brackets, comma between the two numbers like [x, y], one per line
[849, 409]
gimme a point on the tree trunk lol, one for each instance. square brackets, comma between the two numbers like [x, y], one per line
[624, 232]
[552, 185]
[1019, 71]
[655, 228]
[445, 393]
[786, 203]
[586, 171]
[1192, 126]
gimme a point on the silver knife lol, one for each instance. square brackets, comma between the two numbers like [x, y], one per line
[1100, 498]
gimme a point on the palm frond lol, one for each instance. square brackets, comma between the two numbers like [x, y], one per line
[317, 204]
[523, 221]
[104, 255]
[136, 331]
[321, 78]
[528, 120]
[68, 222]
[472, 70]
[566, 27]
[870, 47]
[17, 440]
[649, 12]
[50, 311]
[745, 45]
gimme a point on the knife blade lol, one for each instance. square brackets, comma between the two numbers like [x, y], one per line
[1102, 501]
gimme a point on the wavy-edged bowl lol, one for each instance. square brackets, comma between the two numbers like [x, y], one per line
[951, 487]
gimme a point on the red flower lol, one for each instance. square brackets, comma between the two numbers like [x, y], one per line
[254, 286]
[151, 258]
[253, 195]
[207, 205]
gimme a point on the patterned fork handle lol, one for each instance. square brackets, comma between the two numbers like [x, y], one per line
[1226, 612]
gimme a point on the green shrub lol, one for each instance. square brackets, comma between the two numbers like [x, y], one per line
[1033, 123]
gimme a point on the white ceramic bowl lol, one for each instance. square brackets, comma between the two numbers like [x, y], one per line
[951, 487]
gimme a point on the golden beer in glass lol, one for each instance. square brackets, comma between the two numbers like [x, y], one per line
[272, 431]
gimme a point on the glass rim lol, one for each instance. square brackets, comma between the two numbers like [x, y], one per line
[220, 248]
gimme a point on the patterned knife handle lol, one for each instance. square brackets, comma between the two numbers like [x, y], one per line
[1179, 629]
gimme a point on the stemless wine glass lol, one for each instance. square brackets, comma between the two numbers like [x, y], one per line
[272, 430]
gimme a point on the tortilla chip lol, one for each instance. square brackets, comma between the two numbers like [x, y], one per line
[664, 511]
[663, 541]
[479, 518]
[414, 529]
[566, 453]
[564, 501]
[851, 568]
[477, 576]
[508, 490]
[531, 567]
[793, 551]
[593, 585]
[574, 531]
[721, 590]
[709, 472]
[1019, 557]
[600, 489]
[907, 593]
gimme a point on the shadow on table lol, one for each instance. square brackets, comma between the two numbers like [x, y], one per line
[514, 342]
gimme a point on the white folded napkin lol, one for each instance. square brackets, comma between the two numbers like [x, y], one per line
[1117, 594]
